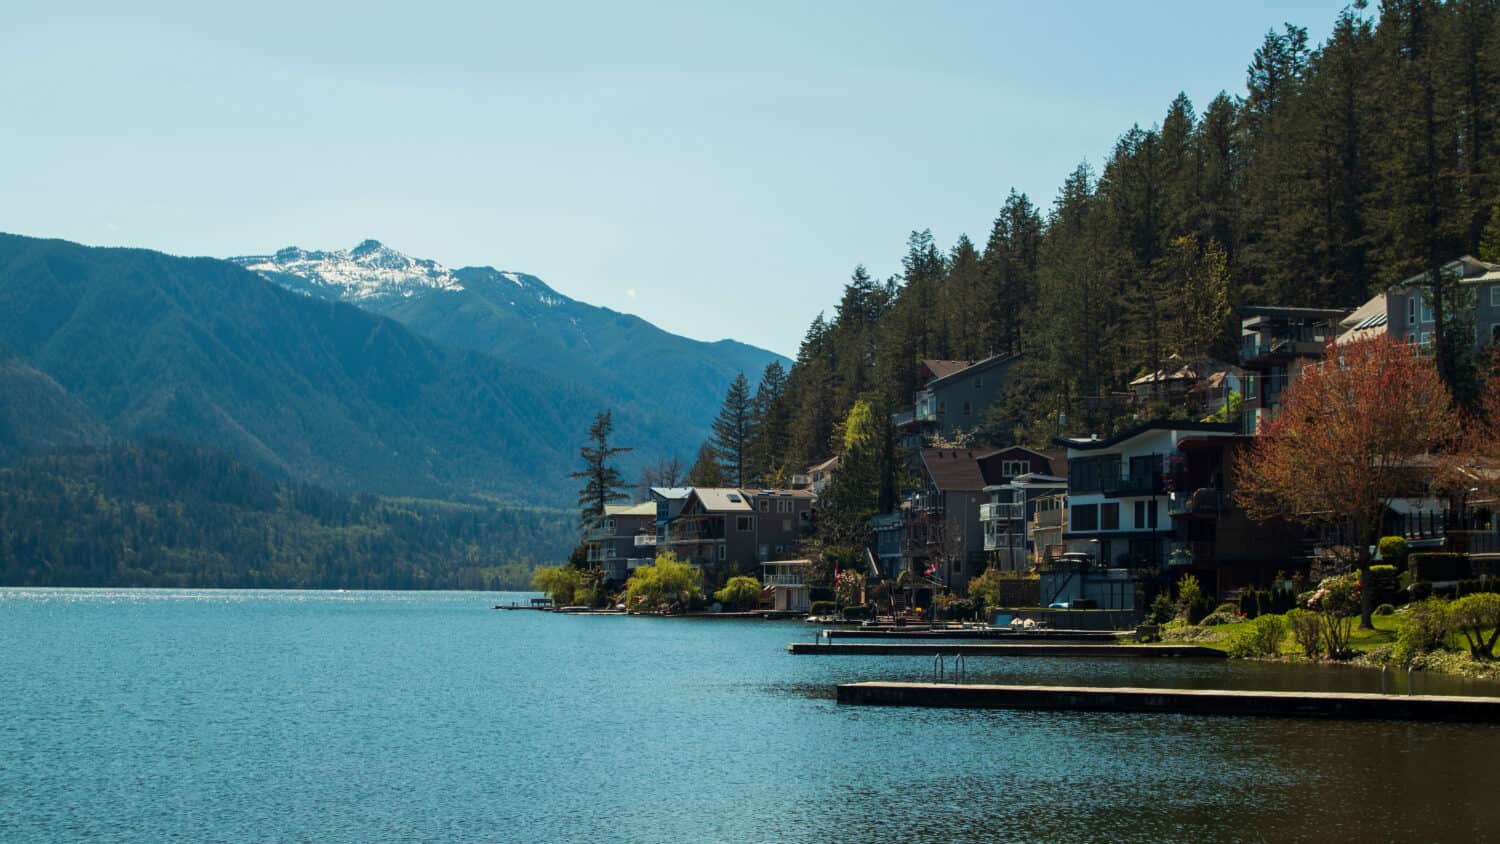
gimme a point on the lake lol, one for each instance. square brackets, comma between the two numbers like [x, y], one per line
[133, 715]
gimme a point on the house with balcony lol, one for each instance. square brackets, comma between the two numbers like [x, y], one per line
[1119, 488]
[1015, 478]
[1276, 345]
[735, 529]
[1214, 538]
[1201, 385]
[784, 583]
[944, 538]
[953, 398]
[622, 540]
[1049, 523]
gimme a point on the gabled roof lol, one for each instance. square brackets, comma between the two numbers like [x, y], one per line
[674, 493]
[953, 470]
[722, 499]
[1368, 320]
[943, 368]
[826, 464]
[644, 508]
[972, 368]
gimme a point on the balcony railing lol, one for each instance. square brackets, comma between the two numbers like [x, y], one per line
[1005, 542]
[1134, 485]
[645, 540]
[1048, 518]
[926, 409]
[904, 418]
[1200, 503]
[634, 563]
[598, 532]
[1002, 512]
[783, 580]
[1291, 340]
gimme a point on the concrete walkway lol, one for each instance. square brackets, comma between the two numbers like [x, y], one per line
[1016, 649]
[1178, 701]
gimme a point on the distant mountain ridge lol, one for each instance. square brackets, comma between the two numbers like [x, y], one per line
[200, 350]
[519, 319]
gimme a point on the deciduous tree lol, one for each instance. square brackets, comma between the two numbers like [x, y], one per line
[1353, 435]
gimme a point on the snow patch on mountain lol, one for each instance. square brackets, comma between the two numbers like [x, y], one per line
[370, 270]
[372, 273]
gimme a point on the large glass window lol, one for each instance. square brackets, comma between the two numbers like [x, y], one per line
[1085, 517]
[1109, 516]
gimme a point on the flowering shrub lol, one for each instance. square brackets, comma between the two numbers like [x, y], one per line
[1307, 629]
[1336, 600]
[1263, 637]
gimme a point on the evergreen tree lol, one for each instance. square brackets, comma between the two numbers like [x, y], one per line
[603, 482]
[707, 471]
[732, 431]
[769, 425]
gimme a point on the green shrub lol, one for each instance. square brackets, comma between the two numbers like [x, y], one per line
[1218, 617]
[1226, 607]
[1426, 630]
[739, 593]
[823, 608]
[1392, 550]
[1439, 566]
[1476, 586]
[1262, 637]
[1189, 596]
[1382, 581]
[1384, 609]
[667, 585]
[1307, 629]
[1162, 609]
[1419, 590]
[1473, 616]
[559, 582]
[959, 608]
[856, 613]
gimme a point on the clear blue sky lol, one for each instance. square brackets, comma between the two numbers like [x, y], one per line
[718, 171]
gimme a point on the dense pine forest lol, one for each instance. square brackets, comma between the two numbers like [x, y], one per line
[1341, 169]
[163, 513]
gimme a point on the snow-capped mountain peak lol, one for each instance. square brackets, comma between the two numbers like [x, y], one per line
[369, 271]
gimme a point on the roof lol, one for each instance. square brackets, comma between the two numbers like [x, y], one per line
[1279, 311]
[1176, 368]
[672, 492]
[780, 493]
[1030, 479]
[787, 563]
[953, 470]
[943, 368]
[1083, 444]
[722, 499]
[972, 368]
[643, 508]
[826, 464]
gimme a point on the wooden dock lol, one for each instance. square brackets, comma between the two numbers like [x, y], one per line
[985, 634]
[1430, 708]
[968, 649]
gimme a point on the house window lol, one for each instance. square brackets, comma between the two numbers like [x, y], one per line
[765, 505]
[1426, 311]
[1109, 516]
[1145, 515]
[785, 505]
[1085, 517]
[609, 553]
[979, 382]
[966, 408]
[610, 524]
[1411, 310]
[1012, 468]
[941, 405]
[786, 525]
[1495, 296]
[723, 552]
[744, 523]
[1495, 330]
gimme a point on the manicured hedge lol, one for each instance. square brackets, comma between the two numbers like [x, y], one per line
[823, 608]
[1432, 566]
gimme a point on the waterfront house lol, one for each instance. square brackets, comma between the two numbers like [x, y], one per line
[623, 539]
[1118, 491]
[1049, 523]
[1015, 478]
[945, 539]
[1202, 386]
[784, 583]
[735, 529]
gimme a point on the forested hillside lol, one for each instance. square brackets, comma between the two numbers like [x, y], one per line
[167, 514]
[1341, 168]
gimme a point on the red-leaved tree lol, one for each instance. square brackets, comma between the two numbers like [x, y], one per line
[1355, 432]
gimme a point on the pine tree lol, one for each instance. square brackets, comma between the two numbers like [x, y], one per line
[732, 431]
[768, 440]
[707, 471]
[603, 482]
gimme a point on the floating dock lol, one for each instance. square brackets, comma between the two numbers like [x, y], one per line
[1011, 649]
[990, 634]
[1177, 701]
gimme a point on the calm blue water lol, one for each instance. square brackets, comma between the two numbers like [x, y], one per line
[371, 717]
